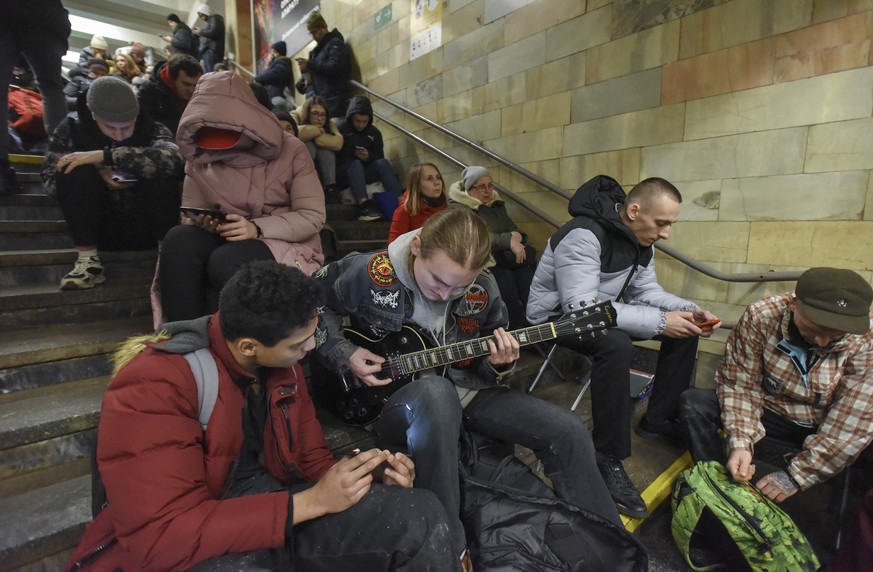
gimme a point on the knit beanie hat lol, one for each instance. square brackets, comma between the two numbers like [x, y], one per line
[472, 174]
[281, 48]
[204, 9]
[99, 43]
[315, 21]
[98, 63]
[111, 99]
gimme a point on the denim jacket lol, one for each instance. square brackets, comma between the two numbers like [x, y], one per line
[366, 288]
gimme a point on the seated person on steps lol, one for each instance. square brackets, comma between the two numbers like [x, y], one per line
[798, 367]
[432, 279]
[115, 174]
[258, 480]
[322, 140]
[515, 261]
[242, 162]
[169, 89]
[606, 252]
[425, 196]
[362, 158]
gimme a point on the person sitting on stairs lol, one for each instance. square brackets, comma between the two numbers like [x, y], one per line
[115, 174]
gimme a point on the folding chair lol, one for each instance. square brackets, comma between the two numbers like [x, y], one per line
[547, 362]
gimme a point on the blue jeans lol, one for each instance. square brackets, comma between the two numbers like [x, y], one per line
[325, 162]
[209, 58]
[356, 175]
[43, 51]
[426, 416]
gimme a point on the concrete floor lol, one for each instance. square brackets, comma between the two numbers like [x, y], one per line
[813, 511]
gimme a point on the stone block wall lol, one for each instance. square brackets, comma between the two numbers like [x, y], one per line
[760, 111]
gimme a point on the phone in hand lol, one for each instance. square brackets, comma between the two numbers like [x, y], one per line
[379, 471]
[192, 212]
[359, 148]
[707, 324]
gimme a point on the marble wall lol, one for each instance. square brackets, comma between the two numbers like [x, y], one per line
[761, 112]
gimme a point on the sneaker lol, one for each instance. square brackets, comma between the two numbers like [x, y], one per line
[331, 195]
[87, 273]
[622, 490]
[369, 212]
[8, 183]
[666, 431]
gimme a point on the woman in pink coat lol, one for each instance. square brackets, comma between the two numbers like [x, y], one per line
[262, 185]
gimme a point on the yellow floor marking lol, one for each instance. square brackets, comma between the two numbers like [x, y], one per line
[29, 159]
[659, 490]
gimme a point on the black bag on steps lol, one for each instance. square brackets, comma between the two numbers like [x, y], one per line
[514, 522]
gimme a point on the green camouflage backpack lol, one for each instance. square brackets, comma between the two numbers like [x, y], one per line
[721, 524]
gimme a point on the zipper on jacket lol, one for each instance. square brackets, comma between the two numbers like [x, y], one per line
[82, 562]
[745, 516]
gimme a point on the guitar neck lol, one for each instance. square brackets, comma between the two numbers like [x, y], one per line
[444, 355]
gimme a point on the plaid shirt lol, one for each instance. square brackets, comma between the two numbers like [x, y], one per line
[836, 397]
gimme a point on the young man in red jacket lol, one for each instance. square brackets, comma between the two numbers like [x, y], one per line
[257, 488]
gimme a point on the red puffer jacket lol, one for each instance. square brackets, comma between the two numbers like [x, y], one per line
[164, 475]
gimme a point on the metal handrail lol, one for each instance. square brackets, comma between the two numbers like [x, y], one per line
[241, 67]
[685, 259]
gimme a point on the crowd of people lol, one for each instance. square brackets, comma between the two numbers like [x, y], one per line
[232, 187]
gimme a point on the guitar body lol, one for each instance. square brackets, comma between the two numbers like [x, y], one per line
[350, 399]
[407, 352]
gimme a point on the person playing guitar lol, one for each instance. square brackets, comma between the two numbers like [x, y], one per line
[434, 279]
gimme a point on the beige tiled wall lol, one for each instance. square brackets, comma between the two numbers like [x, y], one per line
[760, 111]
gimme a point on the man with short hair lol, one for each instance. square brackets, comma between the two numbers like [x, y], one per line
[115, 173]
[182, 41]
[797, 368]
[255, 486]
[362, 159]
[328, 68]
[606, 252]
[211, 37]
[169, 89]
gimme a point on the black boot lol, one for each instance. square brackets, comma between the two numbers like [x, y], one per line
[622, 490]
[8, 183]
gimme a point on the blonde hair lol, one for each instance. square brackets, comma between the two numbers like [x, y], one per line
[461, 234]
[134, 346]
[413, 196]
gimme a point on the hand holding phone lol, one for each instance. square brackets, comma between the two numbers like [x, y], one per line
[193, 212]
[120, 177]
[707, 324]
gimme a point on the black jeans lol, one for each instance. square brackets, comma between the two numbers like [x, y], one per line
[513, 281]
[136, 218]
[610, 356]
[700, 418]
[391, 528]
[194, 266]
[425, 417]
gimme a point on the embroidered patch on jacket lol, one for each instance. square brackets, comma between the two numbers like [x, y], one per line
[320, 336]
[385, 299]
[468, 325]
[381, 271]
[464, 364]
[321, 272]
[772, 385]
[474, 301]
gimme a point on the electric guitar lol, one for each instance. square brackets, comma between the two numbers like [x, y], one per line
[408, 352]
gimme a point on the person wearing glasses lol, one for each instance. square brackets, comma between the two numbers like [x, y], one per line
[327, 70]
[322, 140]
[515, 260]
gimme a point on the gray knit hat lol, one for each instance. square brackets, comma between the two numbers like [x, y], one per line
[472, 174]
[112, 99]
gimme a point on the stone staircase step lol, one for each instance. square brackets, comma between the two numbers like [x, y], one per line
[49, 266]
[41, 345]
[47, 521]
[32, 376]
[34, 235]
[33, 206]
[30, 305]
[361, 230]
[344, 247]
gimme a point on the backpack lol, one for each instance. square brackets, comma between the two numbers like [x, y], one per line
[25, 112]
[719, 523]
[514, 523]
[205, 372]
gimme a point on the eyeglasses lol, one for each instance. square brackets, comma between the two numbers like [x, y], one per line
[317, 114]
[478, 188]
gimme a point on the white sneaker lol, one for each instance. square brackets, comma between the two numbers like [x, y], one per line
[87, 273]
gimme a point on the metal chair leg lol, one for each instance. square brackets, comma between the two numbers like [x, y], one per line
[543, 367]
[585, 385]
[841, 513]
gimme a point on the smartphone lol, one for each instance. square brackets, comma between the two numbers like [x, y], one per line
[358, 147]
[120, 177]
[707, 323]
[378, 472]
[192, 212]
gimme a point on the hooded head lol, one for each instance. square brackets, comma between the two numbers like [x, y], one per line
[204, 9]
[361, 107]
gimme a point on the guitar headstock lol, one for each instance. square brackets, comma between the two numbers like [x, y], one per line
[591, 318]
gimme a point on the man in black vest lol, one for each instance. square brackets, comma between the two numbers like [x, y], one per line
[606, 252]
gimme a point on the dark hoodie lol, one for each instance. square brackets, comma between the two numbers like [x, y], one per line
[370, 138]
[160, 101]
[278, 75]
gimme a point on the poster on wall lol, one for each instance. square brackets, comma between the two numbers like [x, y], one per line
[426, 28]
[276, 20]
